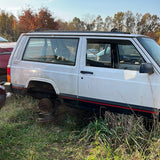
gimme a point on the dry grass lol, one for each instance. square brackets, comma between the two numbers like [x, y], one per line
[68, 137]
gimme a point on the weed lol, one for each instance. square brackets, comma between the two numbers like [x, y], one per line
[68, 137]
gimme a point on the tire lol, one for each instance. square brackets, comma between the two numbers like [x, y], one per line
[150, 123]
[3, 79]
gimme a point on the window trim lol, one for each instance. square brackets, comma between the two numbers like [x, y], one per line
[48, 37]
[113, 41]
[98, 39]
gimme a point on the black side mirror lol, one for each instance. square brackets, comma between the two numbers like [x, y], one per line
[146, 68]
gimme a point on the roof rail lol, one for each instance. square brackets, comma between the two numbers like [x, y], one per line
[41, 29]
[114, 30]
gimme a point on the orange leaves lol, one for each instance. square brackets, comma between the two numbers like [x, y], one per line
[29, 20]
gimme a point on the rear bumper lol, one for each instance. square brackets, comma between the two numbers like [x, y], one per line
[19, 89]
[8, 87]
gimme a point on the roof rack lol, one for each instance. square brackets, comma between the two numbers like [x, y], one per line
[114, 30]
[41, 29]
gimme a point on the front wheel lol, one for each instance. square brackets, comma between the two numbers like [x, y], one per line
[151, 123]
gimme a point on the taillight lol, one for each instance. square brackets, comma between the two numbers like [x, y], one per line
[8, 75]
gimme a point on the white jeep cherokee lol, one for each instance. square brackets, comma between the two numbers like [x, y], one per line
[121, 75]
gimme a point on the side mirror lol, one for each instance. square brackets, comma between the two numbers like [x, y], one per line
[146, 68]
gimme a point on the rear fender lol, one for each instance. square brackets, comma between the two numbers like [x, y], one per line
[44, 80]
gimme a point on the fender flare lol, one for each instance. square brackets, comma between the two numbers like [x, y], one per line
[43, 80]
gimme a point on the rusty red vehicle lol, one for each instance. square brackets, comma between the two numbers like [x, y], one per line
[5, 52]
[2, 96]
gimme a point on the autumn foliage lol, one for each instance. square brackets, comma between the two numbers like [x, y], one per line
[29, 20]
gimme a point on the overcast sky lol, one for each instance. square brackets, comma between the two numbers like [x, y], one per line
[68, 9]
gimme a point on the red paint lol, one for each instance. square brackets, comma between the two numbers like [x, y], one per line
[116, 106]
[4, 58]
[112, 105]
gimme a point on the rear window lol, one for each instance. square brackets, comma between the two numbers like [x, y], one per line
[52, 50]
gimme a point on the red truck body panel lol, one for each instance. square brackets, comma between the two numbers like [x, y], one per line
[5, 53]
[4, 58]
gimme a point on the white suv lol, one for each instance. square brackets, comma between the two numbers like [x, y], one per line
[123, 75]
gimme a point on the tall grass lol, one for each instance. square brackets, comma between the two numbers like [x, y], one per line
[114, 137]
[123, 136]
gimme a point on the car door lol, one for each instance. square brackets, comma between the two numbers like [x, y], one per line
[115, 82]
[51, 60]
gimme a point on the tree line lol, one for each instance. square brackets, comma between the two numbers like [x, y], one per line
[28, 20]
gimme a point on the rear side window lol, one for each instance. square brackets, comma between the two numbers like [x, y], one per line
[52, 50]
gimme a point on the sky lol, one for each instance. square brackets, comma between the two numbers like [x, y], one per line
[66, 10]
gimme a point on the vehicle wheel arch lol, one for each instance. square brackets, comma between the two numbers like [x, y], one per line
[40, 86]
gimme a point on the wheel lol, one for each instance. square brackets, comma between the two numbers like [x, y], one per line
[46, 105]
[150, 123]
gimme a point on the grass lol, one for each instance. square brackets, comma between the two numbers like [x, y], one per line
[68, 137]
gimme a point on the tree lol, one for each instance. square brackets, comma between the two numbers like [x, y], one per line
[8, 26]
[89, 22]
[148, 24]
[29, 20]
[145, 23]
[78, 24]
[44, 19]
[129, 21]
[62, 25]
[108, 24]
[119, 21]
[138, 23]
[98, 23]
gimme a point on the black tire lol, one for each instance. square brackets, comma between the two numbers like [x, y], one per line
[150, 123]
[3, 78]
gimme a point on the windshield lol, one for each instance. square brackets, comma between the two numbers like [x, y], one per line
[152, 48]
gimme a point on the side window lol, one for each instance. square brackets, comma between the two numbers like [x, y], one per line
[52, 50]
[128, 57]
[98, 53]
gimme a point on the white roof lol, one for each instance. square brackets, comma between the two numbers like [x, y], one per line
[3, 40]
[7, 44]
[81, 33]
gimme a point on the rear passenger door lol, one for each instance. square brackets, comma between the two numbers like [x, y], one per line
[51, 60]
[110, 77]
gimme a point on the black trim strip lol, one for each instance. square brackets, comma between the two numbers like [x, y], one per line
[115, 105]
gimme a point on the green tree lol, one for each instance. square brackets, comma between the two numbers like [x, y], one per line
[8, 26]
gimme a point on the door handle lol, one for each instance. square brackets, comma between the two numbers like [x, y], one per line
[86, 72]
